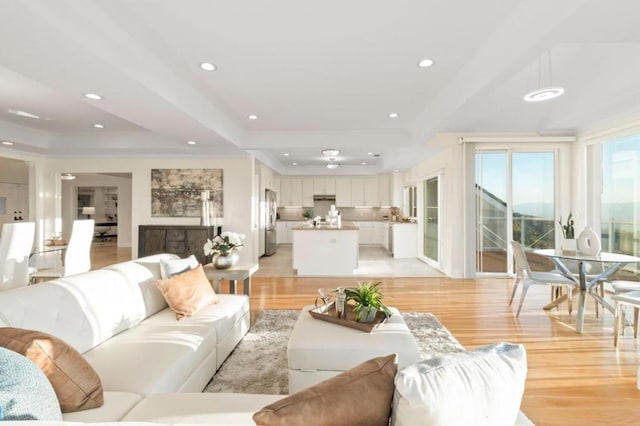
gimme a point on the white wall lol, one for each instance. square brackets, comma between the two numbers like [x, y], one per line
[237, 181]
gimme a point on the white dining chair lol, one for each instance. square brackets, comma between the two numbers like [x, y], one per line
[77, 257]
[16, 242]
[527, 277]
[628, 298]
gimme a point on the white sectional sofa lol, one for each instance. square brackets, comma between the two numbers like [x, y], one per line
[119, 321]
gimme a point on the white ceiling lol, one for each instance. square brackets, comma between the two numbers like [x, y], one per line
[318, 74]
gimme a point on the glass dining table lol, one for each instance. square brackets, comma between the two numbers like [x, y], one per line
[611, 263]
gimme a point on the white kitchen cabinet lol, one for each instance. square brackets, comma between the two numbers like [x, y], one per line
[384, 234]
[384, 191]
[291, 191]
[371, 198]
[364, 191]
[343, 192]
[276, 187]
[323, 185]
[367, 232]
[281, 232]
[405, 240]
[307, 191]
[357, 191]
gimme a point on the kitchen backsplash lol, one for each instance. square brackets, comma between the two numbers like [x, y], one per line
[347, 213]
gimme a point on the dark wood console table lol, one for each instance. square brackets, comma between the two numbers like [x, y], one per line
[182, 240]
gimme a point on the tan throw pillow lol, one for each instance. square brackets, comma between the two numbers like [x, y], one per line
[75, 382]
[188, 292]
[360, 396]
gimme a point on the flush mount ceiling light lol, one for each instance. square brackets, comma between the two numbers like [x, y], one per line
[253, 117]
[93, 96]
[98, 126]
[23, 113]
[426, 63]
[330, 152]
[207, 66]
[393, 115]
[67, 176]
[544, 92]
[7, 143]
[192, 143]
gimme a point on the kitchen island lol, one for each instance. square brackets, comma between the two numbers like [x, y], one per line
[325, 250]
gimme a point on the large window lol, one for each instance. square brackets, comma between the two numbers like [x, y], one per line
[620, 208]
[515, 194]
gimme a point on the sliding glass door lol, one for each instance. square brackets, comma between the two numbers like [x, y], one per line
[515, 193]
[430, 231]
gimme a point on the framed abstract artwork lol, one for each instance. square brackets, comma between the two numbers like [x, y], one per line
[177, 192]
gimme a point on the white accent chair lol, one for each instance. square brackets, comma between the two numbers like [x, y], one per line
[77, 257]
[629, 298]
[527, 277]
[16, 243]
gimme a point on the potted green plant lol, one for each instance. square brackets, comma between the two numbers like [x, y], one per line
[307, 214]
[368, 301]
[569, 244]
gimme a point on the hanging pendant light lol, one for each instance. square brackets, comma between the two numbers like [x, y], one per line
[548, 92]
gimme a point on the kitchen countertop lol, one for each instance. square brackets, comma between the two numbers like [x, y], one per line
[390, 222]
[346, 226]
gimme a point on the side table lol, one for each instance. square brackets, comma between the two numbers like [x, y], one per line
[241, 271]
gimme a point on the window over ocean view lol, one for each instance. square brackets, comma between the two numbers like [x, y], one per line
[620, 200]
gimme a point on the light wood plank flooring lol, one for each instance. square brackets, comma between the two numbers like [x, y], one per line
[573, 379]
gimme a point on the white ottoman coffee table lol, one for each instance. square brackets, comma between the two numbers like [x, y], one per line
[318, 350]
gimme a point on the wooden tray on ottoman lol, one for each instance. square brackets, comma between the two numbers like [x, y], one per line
[328, 313]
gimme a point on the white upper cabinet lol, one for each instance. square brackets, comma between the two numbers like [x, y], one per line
[384, 191]
[291, 191]
[323, 185]
[343, 192]
[357, 191]
[307, 191]
[371, 191]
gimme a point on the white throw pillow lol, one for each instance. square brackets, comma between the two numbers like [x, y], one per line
[481, 387]
[171, 267]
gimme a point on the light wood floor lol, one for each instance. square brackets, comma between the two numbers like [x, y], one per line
[573, 379]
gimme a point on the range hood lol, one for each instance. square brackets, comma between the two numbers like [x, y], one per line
[324, 198]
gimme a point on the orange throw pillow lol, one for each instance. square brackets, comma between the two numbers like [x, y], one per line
[75, 382]
[361, 396]
[188, 292]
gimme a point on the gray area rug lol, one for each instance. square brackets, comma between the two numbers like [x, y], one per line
[259, 363]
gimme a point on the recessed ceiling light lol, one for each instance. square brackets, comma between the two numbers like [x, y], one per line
[67, 176]
[330, 152]
[207, 66]
[192, 143]
[364, 163]
[98, 126]
[393, 115]
[253, 117]
[286, 154]
[23, 113]
[396, 171]
[7, 143]
[93, 96]
[332, 165]
[425, 63]
[544, 94]
[369, 153]
[294, 164]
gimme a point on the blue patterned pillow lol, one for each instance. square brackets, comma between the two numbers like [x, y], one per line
[25, 392]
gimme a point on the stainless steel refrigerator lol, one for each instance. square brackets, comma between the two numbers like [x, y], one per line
[271, 238]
